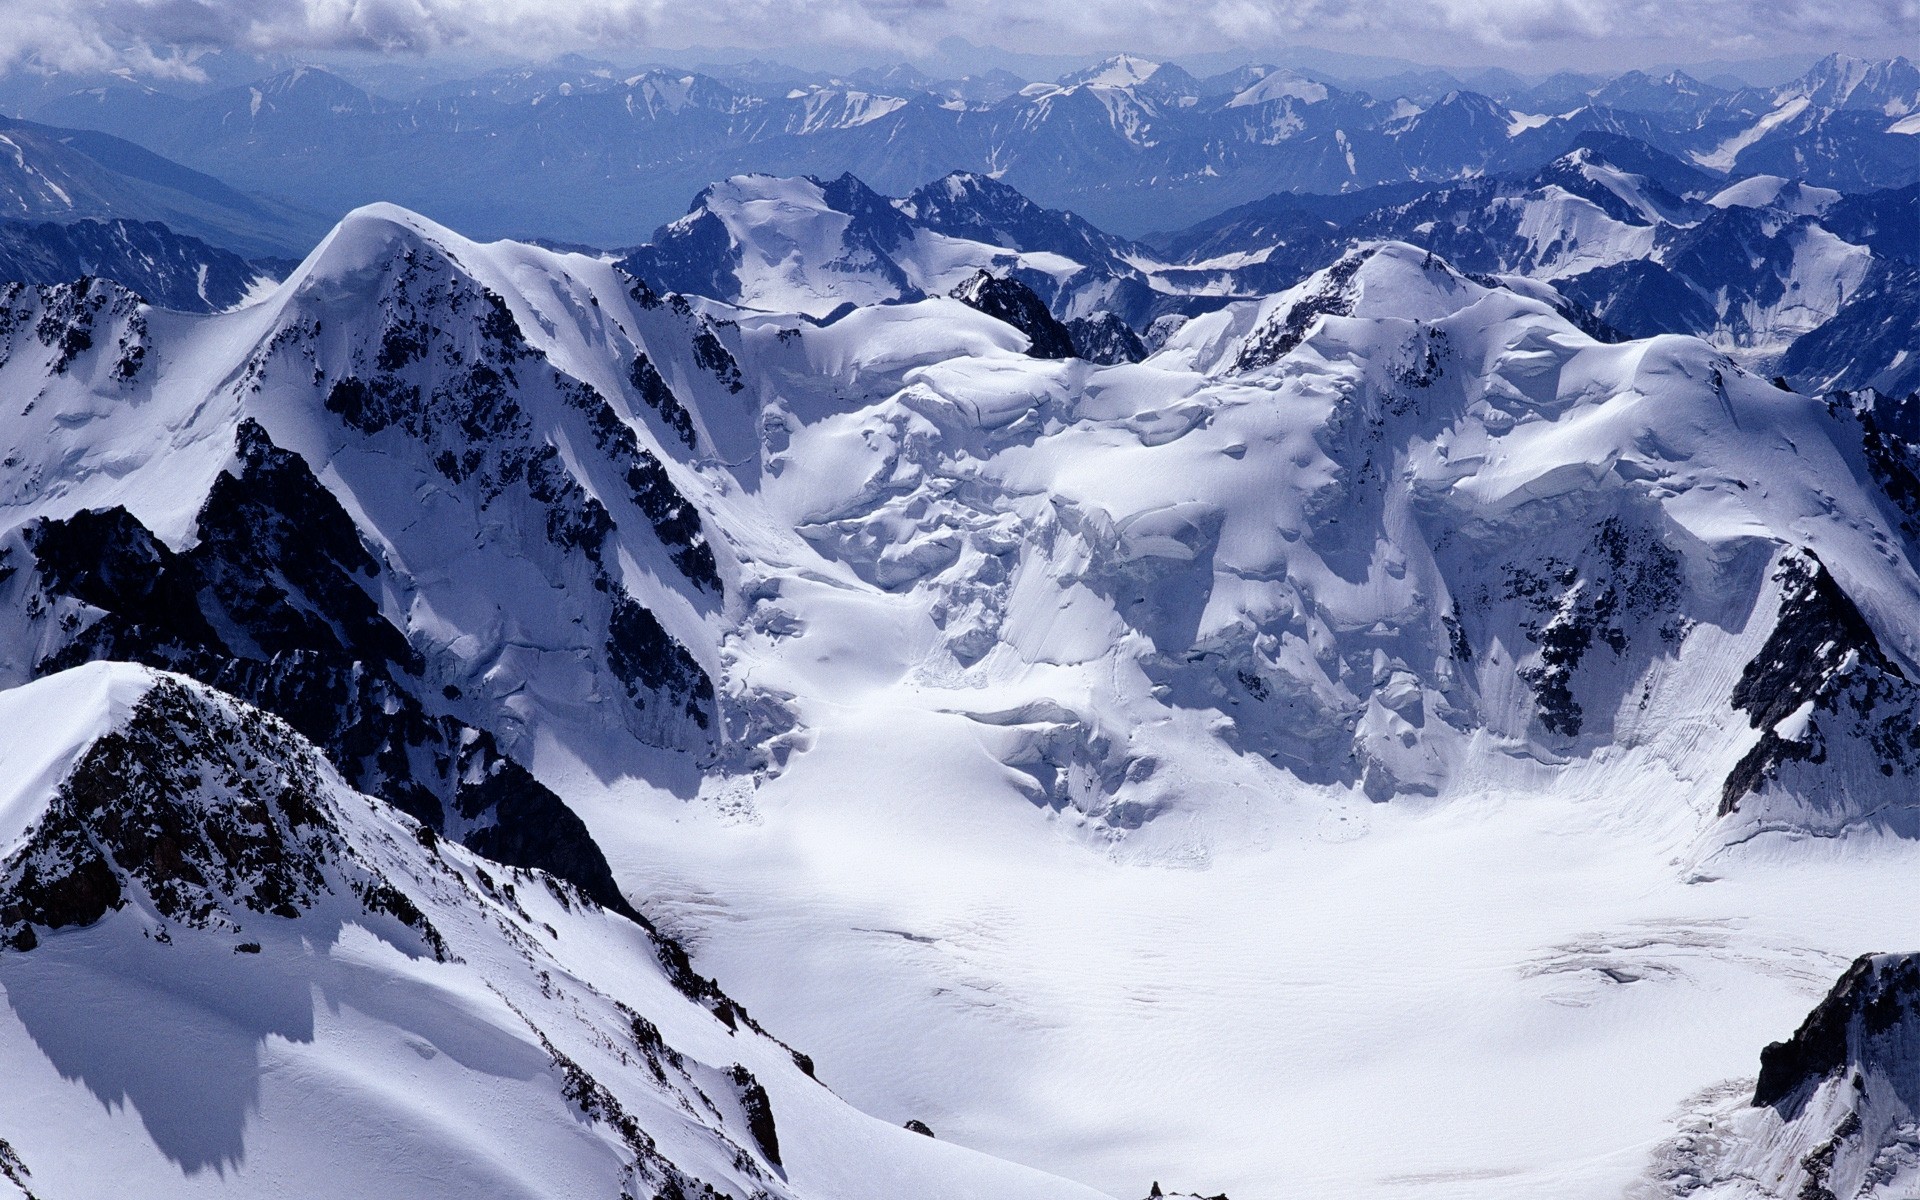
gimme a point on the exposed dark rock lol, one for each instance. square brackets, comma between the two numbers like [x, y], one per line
[14, 1170]
[1105, 338]
[1877, 995]
[1015, 303]
[272, 605]
[715, 357]
[920, 1127]
[1281, 332]
[655, 393]
[1890, 440]
[1821, 653]
[208, 811]
[646, 658]
[145, 257]
[1626, 575]
[676, 522]
[759, 1110]
[69, 318]
[531, 827]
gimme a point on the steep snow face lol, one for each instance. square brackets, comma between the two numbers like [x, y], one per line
[1280, 85]
[228, 974]
[1479, 537]
[1771, 191]
[787, 247]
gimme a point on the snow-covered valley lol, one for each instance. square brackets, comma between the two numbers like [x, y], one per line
[1387, 742]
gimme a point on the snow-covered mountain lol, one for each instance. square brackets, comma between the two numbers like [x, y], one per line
[1100, 764]
[228, 973]
[803, 245]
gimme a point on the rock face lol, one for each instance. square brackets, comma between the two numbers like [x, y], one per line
[1105, 339]
[210, 813]
[271, 603]
[1867, 1021]
[1013, 302]
[1822, 669]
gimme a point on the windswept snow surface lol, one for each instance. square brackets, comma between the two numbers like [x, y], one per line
[1319, 760]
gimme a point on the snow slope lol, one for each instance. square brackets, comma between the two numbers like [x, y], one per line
[281, 987]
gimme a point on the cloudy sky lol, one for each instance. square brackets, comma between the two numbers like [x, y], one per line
[1522, 34]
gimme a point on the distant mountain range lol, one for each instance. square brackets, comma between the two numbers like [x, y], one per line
[64, 175]
[1130, 144]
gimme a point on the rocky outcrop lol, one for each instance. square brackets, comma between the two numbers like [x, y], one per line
[1015, 303]
[205, 812]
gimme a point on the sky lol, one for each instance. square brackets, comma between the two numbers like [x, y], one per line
[158, 37]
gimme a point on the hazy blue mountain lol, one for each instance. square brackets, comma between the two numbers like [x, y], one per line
[1131, 144]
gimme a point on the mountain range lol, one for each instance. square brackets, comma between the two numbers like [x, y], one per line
[558, 713]
[1394, 673]
[1124, 143]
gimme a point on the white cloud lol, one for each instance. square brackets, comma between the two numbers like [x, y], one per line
[79, 34]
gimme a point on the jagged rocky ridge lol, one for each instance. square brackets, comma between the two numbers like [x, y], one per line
[164, 268]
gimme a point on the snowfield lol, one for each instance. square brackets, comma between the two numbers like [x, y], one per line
[1386, 743]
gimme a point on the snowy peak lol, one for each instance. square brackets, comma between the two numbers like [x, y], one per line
[1772, 191]
[365, 245]
[970, 205]
[1390, 280]
[1278, 86]
[1629, 197]
[1118, 71]
[787, 245]
[1842, 82]
[803, 246]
